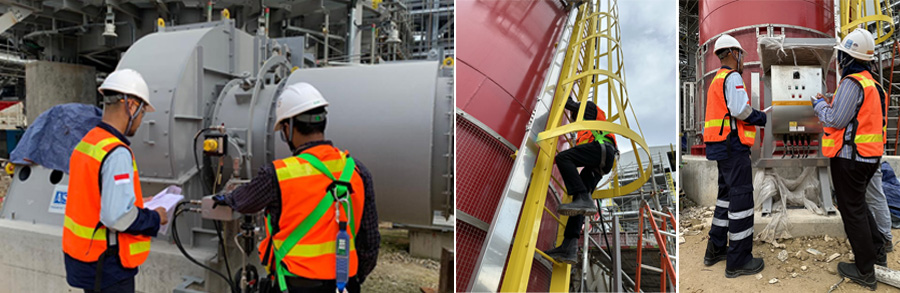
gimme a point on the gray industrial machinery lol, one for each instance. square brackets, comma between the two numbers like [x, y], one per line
[795, 69]
[211, 80]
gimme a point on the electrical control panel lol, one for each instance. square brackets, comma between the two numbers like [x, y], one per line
[792, 87]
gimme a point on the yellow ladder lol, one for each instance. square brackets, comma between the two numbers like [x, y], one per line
[593, 67]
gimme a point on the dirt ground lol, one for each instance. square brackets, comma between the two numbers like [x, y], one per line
[819, 274]
[397, 271]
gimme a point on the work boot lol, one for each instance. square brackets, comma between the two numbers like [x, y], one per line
[754, 266]
[581, 204]
[888, 245]
[567, 252]
[881, 257]
[850, 271]
[713, 254]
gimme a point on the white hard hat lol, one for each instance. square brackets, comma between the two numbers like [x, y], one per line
[296, 99]
[128, 81]
[727, 41]
[858, 44]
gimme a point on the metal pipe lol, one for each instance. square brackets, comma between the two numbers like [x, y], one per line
[312, 32]
[325, 29]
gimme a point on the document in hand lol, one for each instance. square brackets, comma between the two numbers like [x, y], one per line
[167, 198]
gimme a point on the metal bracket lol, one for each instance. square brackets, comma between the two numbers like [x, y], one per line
[188, 281]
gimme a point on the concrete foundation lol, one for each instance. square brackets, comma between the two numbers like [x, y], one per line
[429, 243]
[48, 84]
[699, 181]
[32, 261]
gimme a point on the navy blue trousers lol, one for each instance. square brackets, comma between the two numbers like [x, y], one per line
[733, 218]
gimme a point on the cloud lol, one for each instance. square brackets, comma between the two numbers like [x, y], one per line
[648, 36]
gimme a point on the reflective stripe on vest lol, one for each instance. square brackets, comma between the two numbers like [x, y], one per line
[718, 123]
[84, 237]
[304, 241]
[587, 136]
[868, 126]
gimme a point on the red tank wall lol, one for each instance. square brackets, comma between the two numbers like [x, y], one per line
[503, 54]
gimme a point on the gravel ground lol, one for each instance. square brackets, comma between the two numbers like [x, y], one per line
[397, 271]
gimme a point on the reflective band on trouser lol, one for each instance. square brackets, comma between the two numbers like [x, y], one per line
[718, 121]
[84, 237]
[740, 235]
[721, 203]
[720, 222]
[869, 127]
[740, 215]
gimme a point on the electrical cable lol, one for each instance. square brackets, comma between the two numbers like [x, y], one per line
[219, 227]
[188, 256]
[196, 159]
[222, 245]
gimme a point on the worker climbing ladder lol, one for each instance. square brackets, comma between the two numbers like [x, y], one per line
[593, 69]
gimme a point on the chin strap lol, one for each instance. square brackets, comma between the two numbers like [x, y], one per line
[131, 117]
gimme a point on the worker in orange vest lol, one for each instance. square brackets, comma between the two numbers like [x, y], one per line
[596, 152]
[854, 140]
[106, 231]
[321, 221]
[729, 132]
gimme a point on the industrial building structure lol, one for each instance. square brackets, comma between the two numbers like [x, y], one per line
[511, 123]
[215, 70]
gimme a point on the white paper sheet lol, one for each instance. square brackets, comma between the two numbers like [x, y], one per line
[167, 199]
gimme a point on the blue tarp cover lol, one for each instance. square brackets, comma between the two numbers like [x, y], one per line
[891, 187]
[50, 139]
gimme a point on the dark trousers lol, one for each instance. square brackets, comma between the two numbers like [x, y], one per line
[304, 285]
[124, 286]
[733, 218]
[850, 179]
[591, 157]
[573, 225]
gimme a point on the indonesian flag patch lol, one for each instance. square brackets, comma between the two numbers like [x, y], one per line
[122, 179]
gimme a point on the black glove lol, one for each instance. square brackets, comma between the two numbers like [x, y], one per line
[218, 200]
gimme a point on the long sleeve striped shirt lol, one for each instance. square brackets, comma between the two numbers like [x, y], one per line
[840, 112]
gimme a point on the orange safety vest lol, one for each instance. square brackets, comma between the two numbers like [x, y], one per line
[586, 136]
[84, 237]
[868, 125]
[718, 119]
[308, 213]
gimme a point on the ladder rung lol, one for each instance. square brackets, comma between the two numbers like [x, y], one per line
[652, 268]
[659, 214]
[673, 257]
[666, 233]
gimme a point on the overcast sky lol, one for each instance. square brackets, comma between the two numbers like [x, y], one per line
[649, 32]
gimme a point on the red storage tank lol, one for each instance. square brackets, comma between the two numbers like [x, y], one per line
[502, 59]
[747, 19]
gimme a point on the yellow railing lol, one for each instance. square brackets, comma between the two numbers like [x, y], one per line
[593, 69]
[856, 12]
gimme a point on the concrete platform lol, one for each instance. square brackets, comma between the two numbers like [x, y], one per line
[699, 180]
[31, 260]
[803, 223]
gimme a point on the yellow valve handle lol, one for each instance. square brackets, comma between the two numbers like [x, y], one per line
[226, 14]
[10, 168]
[448, 61]
[210, 145]
[160, 22]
